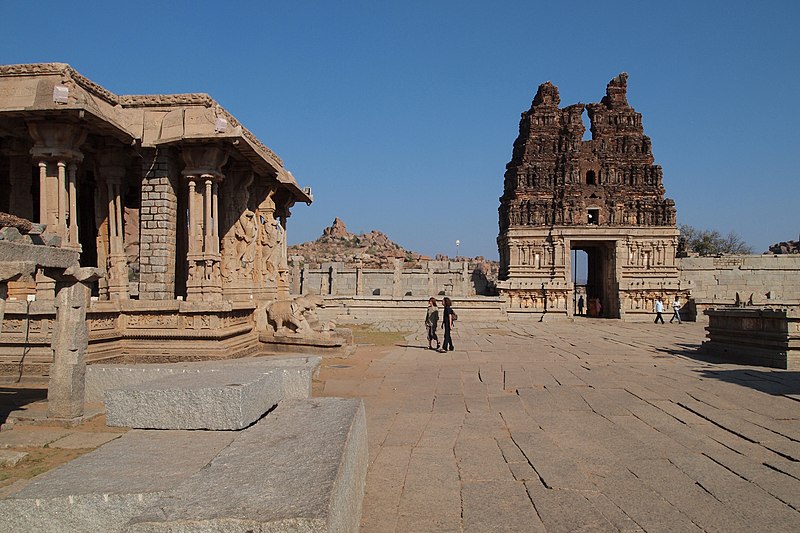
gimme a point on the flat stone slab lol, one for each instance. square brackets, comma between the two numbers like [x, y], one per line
[31, 437]
[85, 439]
[231, 398]
[301, 468]
[102, 490]
[297, 373]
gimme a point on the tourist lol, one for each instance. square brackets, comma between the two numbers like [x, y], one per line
[676, 310]
[659, 310]
[598, 306]
[431, 322]
[447, 323]
[580, 305]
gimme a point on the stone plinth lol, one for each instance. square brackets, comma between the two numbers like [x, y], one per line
[227, 399]
[758, 336]
[301, 468]
[296, 374]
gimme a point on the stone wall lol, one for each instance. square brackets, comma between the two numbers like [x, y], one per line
[432, 278]
[767, 279]
[158, 229]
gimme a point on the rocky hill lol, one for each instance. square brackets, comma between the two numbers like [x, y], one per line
[787, 247]
[372, 250]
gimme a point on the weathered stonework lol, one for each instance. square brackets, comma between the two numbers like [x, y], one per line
[148, 189]
[603, 196]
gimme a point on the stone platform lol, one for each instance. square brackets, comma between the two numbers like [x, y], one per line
[228, 399]
[302, 468]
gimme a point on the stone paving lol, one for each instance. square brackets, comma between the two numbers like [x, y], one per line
[596, 425]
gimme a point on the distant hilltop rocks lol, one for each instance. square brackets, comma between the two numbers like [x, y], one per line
[336, 244]
[788, 247]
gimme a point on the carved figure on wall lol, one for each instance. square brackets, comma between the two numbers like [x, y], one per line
[245, 232]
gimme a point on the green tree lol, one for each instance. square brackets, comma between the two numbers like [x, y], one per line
[711, 242]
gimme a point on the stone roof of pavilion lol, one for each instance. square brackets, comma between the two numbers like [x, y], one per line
[151, 120]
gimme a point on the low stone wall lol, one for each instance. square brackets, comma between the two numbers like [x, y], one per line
[772, 280]
[758, 336]
[365, 309]
[431, 278]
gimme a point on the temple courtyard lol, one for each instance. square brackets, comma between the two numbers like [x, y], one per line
[585, 425]
[592, 425]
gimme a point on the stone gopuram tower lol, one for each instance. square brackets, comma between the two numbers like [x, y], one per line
[598, 201]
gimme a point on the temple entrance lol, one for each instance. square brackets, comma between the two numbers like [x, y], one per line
[594, 278]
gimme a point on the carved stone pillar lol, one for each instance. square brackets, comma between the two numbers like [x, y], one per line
[203, 173]
[111, 166]
[66, 391]
[19, 173]
[56, 147]
[359, 279]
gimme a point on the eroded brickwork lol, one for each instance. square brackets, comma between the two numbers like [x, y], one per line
[158, 229]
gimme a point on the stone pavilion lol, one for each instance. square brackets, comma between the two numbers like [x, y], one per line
[182, 208]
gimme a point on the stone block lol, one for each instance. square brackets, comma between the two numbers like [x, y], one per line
[102, 490]
[296, 373]
[309, 458]
[228, 399]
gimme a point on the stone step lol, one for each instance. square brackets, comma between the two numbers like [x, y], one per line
[301, 468]
[228, 399]
[298, 373]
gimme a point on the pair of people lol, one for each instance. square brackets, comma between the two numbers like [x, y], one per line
[432, 320]
[676, 311]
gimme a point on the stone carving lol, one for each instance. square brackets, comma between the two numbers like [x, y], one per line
[294, 316]
[614, 172]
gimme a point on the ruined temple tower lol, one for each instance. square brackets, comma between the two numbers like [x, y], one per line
[564, 196]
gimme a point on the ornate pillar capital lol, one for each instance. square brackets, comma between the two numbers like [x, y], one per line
[204, 161]
[59, 141]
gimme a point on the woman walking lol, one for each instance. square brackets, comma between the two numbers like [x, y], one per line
[431, 322]
[447, 322]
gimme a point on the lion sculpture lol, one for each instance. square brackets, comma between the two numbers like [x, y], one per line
[293, 315]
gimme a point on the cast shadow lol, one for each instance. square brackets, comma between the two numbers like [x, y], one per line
[14, 398]
[773, 381]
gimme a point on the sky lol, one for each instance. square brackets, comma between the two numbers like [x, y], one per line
[401, 116]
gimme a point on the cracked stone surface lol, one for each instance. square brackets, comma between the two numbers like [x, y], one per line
[595, 425]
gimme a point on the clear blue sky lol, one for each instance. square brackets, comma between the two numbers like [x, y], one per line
[401, 115]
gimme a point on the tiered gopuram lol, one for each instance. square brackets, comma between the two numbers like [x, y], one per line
[604, 196]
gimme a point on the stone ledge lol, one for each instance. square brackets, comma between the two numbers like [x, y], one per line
[297, 373]
[302, 468]
[309, 458]
[227, 399]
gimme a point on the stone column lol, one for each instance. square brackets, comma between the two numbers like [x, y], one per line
[19, 173]
[158, 225]
[3, 297]
[334, 275]
[431, 280]
[296, 277]
[66, 391]
[465, 285]
[360, 279]
[73, 205]
[397, 280]
[204, 171]
[111, 165]
[56, 146]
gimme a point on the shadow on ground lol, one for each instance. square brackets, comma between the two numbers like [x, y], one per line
[13, 398]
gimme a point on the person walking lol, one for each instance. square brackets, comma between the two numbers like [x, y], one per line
[676, 310]
[448, 318]
[432, 322]
[659, 310]
[580, 305]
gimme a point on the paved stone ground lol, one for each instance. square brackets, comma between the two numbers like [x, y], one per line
[596, 425]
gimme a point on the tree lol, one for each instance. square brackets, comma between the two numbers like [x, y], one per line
[711, 242]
